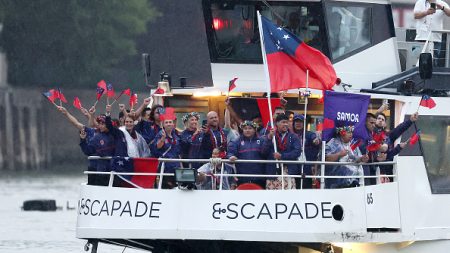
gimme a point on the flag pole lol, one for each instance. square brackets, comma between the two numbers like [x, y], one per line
[302, 156]
[115, 99]
[419, 104]
[266, 71]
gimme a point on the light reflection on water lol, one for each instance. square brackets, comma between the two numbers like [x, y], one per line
[42, 232]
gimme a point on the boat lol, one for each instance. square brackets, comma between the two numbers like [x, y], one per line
[409, 214]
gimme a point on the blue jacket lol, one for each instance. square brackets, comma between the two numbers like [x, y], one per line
[102, 144]
[311, 150]
[292, 152]
[248, 149]
[190, 144]
[190, 147]
[147, 129]
[207, 142]
[170, 149]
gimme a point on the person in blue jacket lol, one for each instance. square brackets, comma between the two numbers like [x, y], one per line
[214, 137]
[288, 148]
[167, 145]
[108, 142]
[149, 126]
[312, 148]
[248, 147]
[191, 139]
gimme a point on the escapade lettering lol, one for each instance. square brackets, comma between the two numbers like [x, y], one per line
[346, 116]
[271, 211]
[95, 207]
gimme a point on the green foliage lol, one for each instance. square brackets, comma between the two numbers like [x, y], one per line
[71, 43]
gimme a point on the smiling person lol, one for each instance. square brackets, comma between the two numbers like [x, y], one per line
[167, 145]
[136, 144]
[214, 137]
[191, 138]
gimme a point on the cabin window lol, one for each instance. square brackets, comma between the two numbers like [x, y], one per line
[435, 146]
[348, 29]
[233, 33]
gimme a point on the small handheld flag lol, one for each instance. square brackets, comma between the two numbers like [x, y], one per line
[373, 147]
[232, 84]
[158, 91]
[100, 92]
[59, 95]
[126, 92]
[102, 84]
[167, 113]
[356, 144]
[414, 138]
[427, 101]
[133, 100]
[77, 103]
[50, 95]
[109, 90]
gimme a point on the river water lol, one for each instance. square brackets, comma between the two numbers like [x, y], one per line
[42, 232]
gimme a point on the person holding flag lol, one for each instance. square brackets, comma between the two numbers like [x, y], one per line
[338, 149]
[149, 127]
[288, 148]
[136, 145]
[312, 149]
[109, 141]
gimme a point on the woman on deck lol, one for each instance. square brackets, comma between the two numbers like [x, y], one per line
[339, 149]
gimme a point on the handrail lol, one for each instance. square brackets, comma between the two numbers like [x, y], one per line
[250, 161]
[322, 175]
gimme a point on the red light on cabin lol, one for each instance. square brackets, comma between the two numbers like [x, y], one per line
[217, 24]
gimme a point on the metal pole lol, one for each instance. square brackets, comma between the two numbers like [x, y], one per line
[161, 175]
[322, 167]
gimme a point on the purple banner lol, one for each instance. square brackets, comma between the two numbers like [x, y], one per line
[345, 109]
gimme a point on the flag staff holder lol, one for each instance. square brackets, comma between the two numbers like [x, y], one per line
[267, 79]
[302, 156]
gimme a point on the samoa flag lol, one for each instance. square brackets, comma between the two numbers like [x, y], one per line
[137, 165]
[346, 109]
[288, 58]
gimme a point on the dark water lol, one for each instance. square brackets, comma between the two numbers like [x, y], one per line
[40, 232]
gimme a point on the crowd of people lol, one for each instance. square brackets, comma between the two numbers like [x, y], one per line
[144, 132]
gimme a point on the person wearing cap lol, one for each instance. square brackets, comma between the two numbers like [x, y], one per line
[191, 138]
[339, 149]
[248, 147]
[288, 148]
[312, 148]
[109, 141]
[167, 145]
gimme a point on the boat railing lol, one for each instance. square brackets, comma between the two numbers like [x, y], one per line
[218, 161]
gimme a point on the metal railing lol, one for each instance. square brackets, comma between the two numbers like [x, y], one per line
[222, 162]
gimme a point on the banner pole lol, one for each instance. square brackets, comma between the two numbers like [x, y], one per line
[302, 156]
[266, 72]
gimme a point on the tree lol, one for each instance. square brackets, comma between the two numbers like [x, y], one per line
[70, 43]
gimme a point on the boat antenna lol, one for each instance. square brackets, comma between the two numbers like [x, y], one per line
[274, 12]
